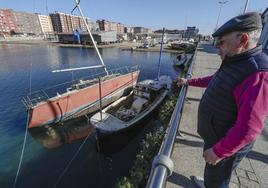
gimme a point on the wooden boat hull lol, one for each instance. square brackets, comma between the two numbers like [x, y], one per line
[61, 107]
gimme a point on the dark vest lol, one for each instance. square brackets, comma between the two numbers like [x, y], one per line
[217, 111]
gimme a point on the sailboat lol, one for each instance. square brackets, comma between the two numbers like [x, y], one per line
[81, 97]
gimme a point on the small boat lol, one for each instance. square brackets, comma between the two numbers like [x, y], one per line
[128, 111]
[180, 60]
[181, 45]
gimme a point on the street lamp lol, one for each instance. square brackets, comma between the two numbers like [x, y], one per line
[246, 6]
[221, 4]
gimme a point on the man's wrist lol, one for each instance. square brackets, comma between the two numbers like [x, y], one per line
[187, 82]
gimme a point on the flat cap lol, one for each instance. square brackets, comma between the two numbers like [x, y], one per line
[246, 22]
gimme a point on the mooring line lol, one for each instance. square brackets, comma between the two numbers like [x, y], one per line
[26, 132]
[22, 152]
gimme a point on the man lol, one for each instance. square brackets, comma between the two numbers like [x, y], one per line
[234, 106]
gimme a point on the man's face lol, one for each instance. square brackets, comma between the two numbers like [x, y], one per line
[228, 45]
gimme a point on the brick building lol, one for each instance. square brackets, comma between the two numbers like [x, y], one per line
[7, 22]
[106, 25]
[67, 23]
[27, 23]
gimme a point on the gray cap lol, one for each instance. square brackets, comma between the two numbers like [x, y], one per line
[246, 22]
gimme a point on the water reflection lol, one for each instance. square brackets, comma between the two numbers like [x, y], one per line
[53, 136]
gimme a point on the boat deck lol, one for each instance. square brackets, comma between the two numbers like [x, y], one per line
[109, 122]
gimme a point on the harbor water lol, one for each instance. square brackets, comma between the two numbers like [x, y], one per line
[26, 68]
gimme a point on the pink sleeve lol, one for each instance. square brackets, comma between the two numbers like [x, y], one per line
[200, 82]
[252, 101]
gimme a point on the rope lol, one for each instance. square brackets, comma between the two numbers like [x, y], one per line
[30, 89]
[22, 152]
[25, 134]
[75, 155]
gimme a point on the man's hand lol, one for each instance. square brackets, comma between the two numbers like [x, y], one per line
[210, 157]
[181, 81]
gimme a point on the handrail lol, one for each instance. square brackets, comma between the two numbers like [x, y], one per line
[162, 166]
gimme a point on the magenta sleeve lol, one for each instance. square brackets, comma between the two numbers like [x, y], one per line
[252, 101]
[200, 82]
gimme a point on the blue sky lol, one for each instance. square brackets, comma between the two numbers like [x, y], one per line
[155, 14]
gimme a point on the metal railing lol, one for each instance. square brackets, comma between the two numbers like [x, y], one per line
[162, 166]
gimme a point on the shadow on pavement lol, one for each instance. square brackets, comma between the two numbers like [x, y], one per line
[191, 143]
[181, 180]
[193, 99]
[190, 134]
[258, 156]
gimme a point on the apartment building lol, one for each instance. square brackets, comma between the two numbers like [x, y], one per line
[46, 25]
[120, 28]
[106, 25]
[27, 23]
[140, 30]
[191, 32]
[68, 23]
[7, 22]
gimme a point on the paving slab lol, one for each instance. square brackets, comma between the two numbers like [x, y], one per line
[187, 154]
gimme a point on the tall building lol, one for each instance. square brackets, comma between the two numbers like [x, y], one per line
[27, 23]
[191, 32]
[120, 28]
[140, 30]
[56, 22]
[106, 25]
[67, 23]
[7, 22]
[46, 25]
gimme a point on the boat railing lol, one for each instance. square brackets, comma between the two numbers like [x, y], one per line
[162, 166]
[56, 90]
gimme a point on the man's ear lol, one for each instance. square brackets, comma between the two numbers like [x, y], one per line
[244, 40]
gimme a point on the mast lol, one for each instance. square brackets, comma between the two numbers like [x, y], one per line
[95, 46]
[161, 49]
[88, 30]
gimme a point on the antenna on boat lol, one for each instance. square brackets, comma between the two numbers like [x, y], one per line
[161, 49]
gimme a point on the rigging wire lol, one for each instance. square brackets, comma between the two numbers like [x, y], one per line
[78, 2]
[25, 134]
